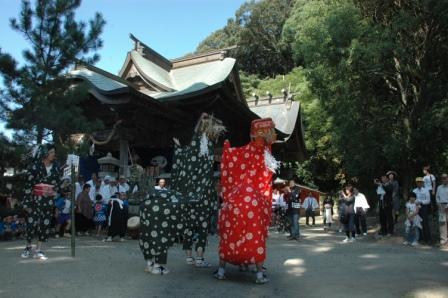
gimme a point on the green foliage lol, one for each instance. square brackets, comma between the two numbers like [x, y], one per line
[323, 166]
[373, 67]
[257, 30]
[37, 95]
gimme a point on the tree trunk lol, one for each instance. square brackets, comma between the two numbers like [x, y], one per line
[40, 135]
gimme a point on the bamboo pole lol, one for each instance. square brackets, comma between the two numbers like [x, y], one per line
[73, 199]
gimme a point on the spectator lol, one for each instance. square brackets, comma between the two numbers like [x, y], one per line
[328, 212]
[395, 195]
[63, 217]
[99, 217]
[123, 186]
[310, 205]
[94, 181]
[413, 221]
[79, 185]
[84, 211]
[386, 218]
[361, 207]
[429, 182]
[107, 190]
[341, 205]
[424, 200]
[442, 201]
[293, 210]
[161, 185]
[348, 215]
[281, 216]
[95, 189]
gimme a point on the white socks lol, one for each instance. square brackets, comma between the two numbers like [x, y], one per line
[259, 274]
[221, 271]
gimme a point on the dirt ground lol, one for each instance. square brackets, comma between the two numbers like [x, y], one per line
[320, 265]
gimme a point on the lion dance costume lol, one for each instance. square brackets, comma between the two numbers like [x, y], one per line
[246, 180]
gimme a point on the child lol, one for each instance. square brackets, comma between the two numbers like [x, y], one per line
[99, 218]
[413, 221]
[328, 215]
[63, 216]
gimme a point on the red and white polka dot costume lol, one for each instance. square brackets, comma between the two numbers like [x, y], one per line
[245, 215]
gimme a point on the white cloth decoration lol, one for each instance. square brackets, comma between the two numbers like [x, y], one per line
[120, 203]
[92, 149]
[203, 148]
[271, 163]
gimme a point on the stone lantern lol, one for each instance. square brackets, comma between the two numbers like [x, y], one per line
[109, 166]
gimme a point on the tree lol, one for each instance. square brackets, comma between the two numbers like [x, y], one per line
[379, 71]
[38, 99]
[323, 168]
[257, 30]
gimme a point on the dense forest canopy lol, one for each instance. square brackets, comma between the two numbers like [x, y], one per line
[371, 76]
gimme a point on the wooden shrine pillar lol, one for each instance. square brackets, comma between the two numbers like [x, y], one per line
[124, 157]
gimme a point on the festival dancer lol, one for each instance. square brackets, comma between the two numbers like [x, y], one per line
[39, 208]
[246, 179]
[161, 220]
[192, 176]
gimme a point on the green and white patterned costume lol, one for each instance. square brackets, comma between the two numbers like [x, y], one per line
[192, 176]
[39, 209]
[161, 223]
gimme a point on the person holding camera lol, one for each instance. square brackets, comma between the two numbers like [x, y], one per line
[385, 193]
[294, 210]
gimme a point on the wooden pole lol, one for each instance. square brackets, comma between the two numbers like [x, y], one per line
[73, 200]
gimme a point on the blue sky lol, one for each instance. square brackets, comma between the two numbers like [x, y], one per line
[171, 27]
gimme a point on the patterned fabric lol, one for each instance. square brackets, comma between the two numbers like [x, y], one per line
[40, 209]
[161, 222]
[246, 212]
[100, 213]
[192, 176]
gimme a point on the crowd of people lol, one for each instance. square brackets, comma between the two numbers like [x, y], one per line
[287, 206]
[102, 204]
[12, 221]
[424, 200]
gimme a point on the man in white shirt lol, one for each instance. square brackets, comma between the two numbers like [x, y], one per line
[79, 185]
[123, 186]
[424, 200]
[442, 202]
[95, 189]
[94, 180]
[310, 205]
[161, 185]
[107, 190]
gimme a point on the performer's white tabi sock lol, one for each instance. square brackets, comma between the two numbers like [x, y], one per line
[221, 271]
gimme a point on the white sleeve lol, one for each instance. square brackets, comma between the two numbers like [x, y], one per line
[316, 204]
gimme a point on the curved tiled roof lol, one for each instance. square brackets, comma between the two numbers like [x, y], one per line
[101, 82]
[182, 80]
